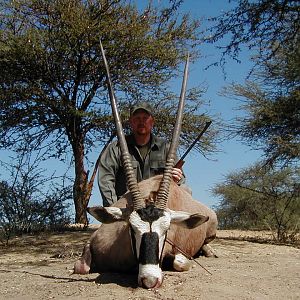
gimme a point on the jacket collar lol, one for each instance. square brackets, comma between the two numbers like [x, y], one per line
[156, 142]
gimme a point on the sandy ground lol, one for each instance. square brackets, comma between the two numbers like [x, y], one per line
[38, 268]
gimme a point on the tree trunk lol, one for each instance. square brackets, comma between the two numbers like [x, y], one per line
[81, 194]
[82, 188]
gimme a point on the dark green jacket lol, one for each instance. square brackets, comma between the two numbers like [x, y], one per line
[111, 176]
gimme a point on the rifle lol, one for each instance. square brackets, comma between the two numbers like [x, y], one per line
[181, 161]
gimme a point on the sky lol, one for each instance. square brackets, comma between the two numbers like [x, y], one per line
[203, 174]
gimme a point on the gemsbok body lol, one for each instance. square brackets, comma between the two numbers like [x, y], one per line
[135, 232]
[134, 241]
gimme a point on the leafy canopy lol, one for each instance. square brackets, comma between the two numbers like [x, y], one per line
[270, 98]
[53, 81]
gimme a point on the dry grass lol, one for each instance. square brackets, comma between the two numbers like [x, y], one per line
[257, 236]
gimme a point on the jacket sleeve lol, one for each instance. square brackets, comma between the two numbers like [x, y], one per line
[107, 170]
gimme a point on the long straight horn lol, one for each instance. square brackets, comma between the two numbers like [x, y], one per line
[163, 192]
[126, 159]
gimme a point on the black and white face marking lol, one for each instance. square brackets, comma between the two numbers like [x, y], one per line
[149, 226]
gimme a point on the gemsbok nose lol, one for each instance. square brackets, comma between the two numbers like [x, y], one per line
[150, 282]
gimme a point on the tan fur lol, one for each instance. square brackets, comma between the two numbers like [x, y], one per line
[110, 245]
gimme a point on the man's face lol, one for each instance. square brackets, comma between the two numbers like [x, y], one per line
[141, 122]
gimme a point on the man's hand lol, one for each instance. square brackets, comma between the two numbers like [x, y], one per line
[176, 174]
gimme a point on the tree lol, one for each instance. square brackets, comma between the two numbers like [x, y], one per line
[271, 124]
[261, 198]
[272, 104]
[53, 92]
[271, 97]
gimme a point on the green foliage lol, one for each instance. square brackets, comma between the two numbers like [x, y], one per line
[260, 198]
[273, 110]
[271, 95]
[53, 79]
[271, 124]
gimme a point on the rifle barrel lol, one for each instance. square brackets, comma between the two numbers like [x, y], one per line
[207, 124]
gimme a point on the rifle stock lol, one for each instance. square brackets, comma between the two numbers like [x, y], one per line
[179, 164]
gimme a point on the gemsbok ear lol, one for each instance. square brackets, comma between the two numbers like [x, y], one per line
[109, 214]
[187, 220]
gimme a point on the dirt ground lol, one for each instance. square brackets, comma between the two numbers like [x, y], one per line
[38, 268]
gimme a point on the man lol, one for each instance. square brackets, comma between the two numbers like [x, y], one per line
[148, 155]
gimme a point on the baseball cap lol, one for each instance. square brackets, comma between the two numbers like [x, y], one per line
[142, 105]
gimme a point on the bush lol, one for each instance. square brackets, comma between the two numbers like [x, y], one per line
[263, 199]
[30, 201]
[24, 212]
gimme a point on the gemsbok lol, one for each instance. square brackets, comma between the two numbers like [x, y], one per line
[155, 225]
